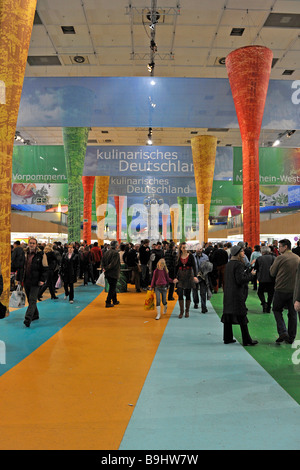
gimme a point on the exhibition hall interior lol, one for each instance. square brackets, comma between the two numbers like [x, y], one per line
[178, 123]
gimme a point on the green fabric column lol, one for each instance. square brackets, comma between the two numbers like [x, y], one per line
[182, 201]
[75, 141]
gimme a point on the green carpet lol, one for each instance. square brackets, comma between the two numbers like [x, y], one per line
[279, 360]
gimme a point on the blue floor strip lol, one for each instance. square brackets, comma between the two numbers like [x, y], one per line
[203, 395]
[20, 341]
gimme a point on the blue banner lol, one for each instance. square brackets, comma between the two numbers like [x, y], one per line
[144, 101]
[151, 161]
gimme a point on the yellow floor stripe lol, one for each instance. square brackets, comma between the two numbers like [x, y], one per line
[79, 389]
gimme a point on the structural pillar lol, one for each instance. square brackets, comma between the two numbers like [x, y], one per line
[16, 21]
[204, 148]
[248, 71]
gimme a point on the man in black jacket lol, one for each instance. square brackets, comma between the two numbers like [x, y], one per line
[144, 253]
[34, 276]
[17, 259]
[111, 266]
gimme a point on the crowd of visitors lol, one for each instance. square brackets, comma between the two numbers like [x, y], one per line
[195, 274]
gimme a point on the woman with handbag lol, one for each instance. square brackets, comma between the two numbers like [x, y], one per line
[185, 278]
[52, 264]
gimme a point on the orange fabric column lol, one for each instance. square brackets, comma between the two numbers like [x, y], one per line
[164, 225]
[119, 203]
[174, 213]
[88, 186]
[102, 186]
[16, 20]
[248, 71]
[204, 148]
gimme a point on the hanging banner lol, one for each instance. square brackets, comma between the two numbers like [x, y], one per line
[151, 161]
[128, 102]
[39, 164]
[277, 166]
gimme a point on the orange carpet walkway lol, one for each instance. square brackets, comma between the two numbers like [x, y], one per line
[78, 390]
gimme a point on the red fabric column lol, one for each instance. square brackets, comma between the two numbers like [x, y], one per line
[88, 185]
[119, 202]
[248, 71]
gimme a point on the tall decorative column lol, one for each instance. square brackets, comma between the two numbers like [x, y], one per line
[102, 186]
[204, 148]
[248, 71]
[88, 186]
[75, 141]
[182, 201]
[174, 214]
[16, 21]
[119, 203]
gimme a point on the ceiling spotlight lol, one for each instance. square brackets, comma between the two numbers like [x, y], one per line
[153, 46]
[150, 66]
[290, 133]
[149, 141]
[79, 59]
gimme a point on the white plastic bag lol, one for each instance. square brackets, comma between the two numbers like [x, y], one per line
[17, 298]
[101, 280]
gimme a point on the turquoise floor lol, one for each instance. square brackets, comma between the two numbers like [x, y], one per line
[202, 394]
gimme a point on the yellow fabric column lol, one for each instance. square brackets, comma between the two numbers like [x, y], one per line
[174, 213]
[204, 149]
[16, 20]
[102, 185]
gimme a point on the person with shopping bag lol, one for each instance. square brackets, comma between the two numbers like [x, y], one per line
[34, 275]
[160, 282]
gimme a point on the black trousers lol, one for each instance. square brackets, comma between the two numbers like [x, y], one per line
[228, 333]
[267, 287]
[32, 312]
[111, 295]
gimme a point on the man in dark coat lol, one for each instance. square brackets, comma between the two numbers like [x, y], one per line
[234, 306]
[111, 266]
[266, 282]
[17, 259]
[34, 275]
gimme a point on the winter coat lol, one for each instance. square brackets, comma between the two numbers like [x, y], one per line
[262, 266]
[38, 269]
[185, 273]
[69, 268]
[235, 288]
[111, 263]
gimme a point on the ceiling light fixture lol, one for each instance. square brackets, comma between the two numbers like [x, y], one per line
[79, 59]
[149, 141]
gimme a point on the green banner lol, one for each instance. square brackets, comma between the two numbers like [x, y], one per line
[39, 164]
[277, 166]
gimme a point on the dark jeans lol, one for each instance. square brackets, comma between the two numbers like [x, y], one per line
[202, 287]
[183, 292]
[111, 295]
[69, 290]
[267, 287]
[283, 300]
[32, 312]
[48, 284]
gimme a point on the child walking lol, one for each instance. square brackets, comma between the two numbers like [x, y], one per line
[159, 283]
